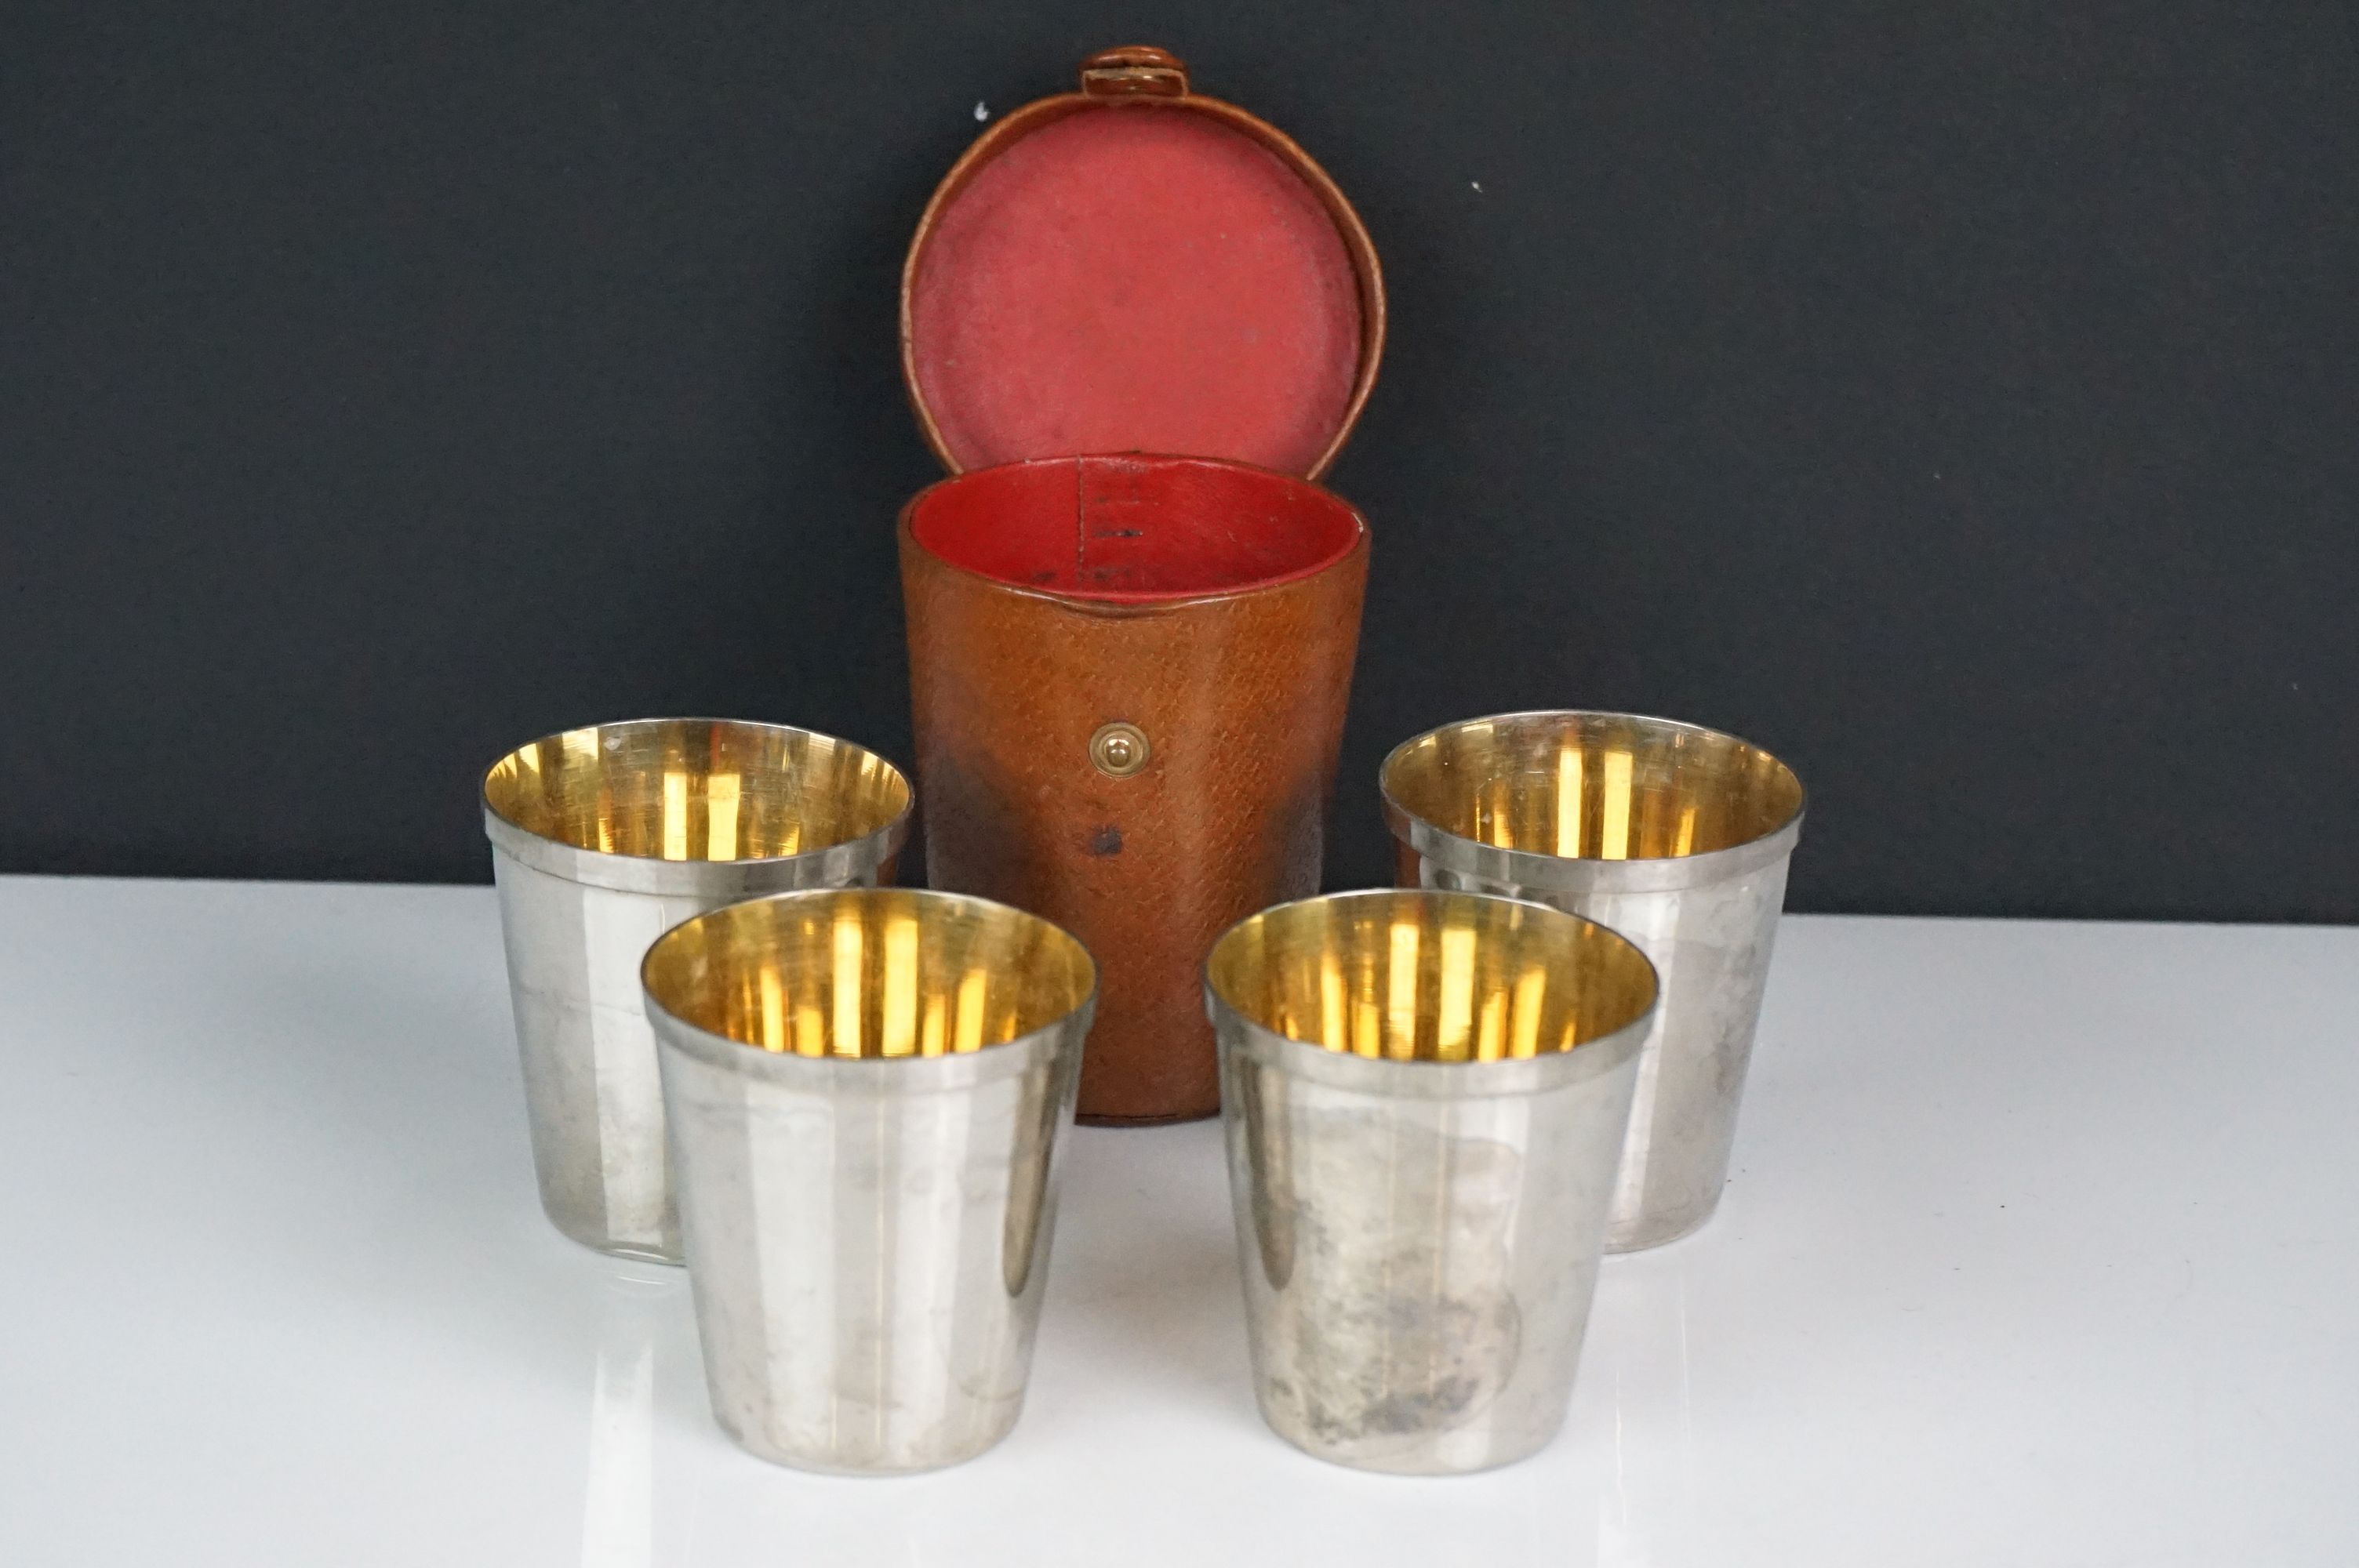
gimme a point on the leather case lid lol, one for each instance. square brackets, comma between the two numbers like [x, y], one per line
[1133, 267]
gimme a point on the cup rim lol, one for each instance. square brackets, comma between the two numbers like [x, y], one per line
[1588, 873]
[950, 1071]
[1430, 1079]
[843, 861]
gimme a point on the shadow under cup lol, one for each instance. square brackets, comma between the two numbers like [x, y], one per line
[866, 1091]
[1425, 1095]
[1675, 836]
[604, 838]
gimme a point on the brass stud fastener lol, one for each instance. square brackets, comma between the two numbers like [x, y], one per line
[1119, 750]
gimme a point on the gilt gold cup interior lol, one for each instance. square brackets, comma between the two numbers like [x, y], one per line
[603, 838]
[1676, 835]
[698, 790]
[866, 1090]
[1408, 978]
[1591, 787]
[869, 976]
[1425, 1095]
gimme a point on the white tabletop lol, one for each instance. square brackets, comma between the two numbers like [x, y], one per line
[2042, 1249]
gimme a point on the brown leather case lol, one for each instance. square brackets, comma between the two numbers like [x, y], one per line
[1240, 696]
[1130, 671]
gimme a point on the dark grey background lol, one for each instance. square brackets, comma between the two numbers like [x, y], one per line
[1961, 403]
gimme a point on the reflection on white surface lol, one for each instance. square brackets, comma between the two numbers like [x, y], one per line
[618, 1504]
[1644, 1363]
[2039, 1252]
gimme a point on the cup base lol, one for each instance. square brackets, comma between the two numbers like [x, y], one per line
[814, 1466]
[1645, 1237]
[1419, 1465]
[638, 1251]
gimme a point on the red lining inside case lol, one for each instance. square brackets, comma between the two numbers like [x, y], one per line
[1135, 278]
[1134, 528]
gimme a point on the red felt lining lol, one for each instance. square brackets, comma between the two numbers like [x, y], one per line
[1139, 278]
[1134, 529]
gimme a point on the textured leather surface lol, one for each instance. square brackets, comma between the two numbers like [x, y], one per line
[1241, 696]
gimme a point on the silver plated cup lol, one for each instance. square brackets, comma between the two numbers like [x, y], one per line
[868, 1091]
[1425, 1095]
[602, 840]
[1676, 836]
